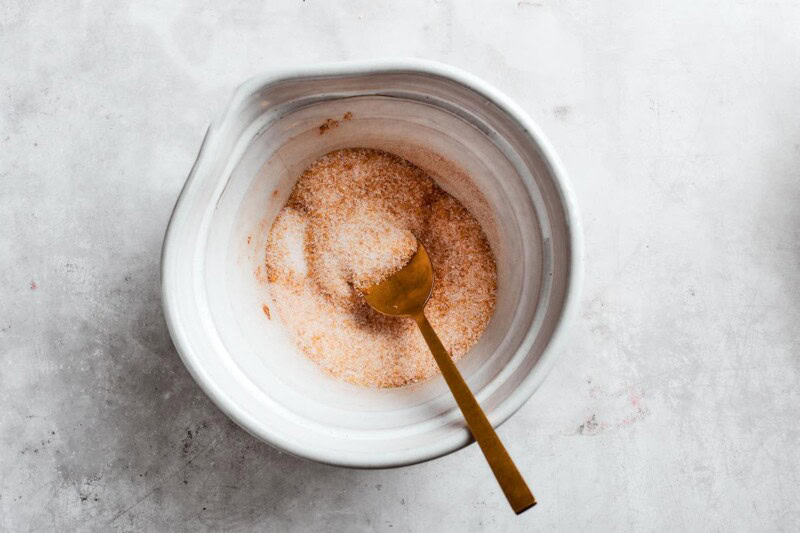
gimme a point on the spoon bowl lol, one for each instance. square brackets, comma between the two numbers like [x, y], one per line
[407, 290]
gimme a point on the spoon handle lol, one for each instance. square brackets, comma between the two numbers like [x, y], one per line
[505, 471]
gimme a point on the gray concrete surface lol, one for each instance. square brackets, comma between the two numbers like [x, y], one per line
[675, 405]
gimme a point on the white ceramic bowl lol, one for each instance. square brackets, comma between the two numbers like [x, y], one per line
[445, 121]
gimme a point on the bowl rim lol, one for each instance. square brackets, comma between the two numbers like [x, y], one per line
[530, 383]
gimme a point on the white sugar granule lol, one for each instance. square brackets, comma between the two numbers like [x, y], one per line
[351, 221]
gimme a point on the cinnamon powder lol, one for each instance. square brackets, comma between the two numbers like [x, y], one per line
[351, 220]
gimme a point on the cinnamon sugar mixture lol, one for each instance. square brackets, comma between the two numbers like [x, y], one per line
[350, 222]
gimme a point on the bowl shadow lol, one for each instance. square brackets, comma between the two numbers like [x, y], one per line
[171, 458]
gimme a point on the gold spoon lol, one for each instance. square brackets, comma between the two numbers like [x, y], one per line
[405, 294]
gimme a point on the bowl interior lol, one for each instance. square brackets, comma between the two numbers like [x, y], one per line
[477, 153]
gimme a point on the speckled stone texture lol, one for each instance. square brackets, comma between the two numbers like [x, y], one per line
[675, 404]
